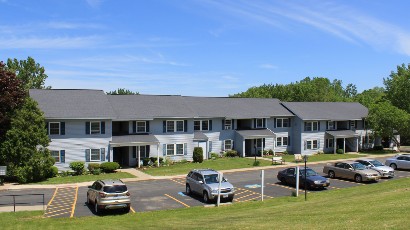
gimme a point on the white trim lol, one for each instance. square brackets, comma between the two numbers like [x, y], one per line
[231, 144]
[99, 127]
[228, 126]
[257, 121]
[136, 127]
[312, 144]
[175, 149]
[282, 141]
[99, 155]
[59, 155]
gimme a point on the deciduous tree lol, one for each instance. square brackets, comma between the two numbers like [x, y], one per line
[29, 72]
[122, 91]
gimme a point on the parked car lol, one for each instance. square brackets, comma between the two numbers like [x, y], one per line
[400, 161]
[313, 179]
[385, 171]
[351, 170]
[205, 182]
[109, 194]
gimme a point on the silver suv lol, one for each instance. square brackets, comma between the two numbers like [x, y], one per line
[108, 194]
[205, 182]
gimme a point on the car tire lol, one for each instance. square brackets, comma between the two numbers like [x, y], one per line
[358, 178]
[230, 199]
[206, 197]
[393, 166]
[188, 189]
[127, 209]
[96, 209]
[331, 174]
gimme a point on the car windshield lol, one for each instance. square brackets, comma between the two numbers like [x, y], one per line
[376, 163]
[358, 166]
[309, 172]
[115, 189]
[211, 178]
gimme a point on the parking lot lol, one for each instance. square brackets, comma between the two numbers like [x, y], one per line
[170, 193]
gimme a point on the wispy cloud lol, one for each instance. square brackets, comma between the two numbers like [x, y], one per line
[340, 21]
[268, 66]
[49, 42]
[94, 3]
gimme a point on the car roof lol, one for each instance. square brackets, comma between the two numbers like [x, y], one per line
[347, 162]
[205, 171]
[366, 160]
[111, 182]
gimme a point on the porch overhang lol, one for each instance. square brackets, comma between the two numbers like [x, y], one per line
[133, 140]
[256, 133]
[200, 136]
[342, 133]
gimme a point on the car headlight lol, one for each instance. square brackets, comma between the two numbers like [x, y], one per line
[327, 180]
[215, 191]
[317, 181]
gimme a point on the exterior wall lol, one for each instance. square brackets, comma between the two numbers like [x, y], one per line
[75, 142]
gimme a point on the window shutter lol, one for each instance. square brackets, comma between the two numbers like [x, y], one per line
[318, 144]
[62, 128]
[62, 156]
[147, 150]
[164, 127]
[232, 124]
[288, 140]
[87, 127]
[223, 145]
[134, 151]
[185, 126]
[318, 125]
[185, 149]
[223, 124]
[233, 144]
[363, 122]
[290, 122]
[147, 126]
[102, 151]
[210, 125]
[87, 155]
[264, 122]
[305, 145]
[334, 125]
[254, 123]
[355, 124]
[134, 126]
[164, 150]
[48, 132]
[274, 122]
[102, 127]
[327, 125]
[210, 146]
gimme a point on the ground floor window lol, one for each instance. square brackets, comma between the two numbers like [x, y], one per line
[311, 144]
[95, 154]
[281, 141]
[228, 144]
[329, 143]
[56, 156]
[142, 149]
[175, 149]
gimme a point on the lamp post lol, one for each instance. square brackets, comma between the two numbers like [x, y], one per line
[305, 158]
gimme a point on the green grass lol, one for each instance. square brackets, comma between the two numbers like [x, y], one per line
[383, 205]
[217, 164]
[321, 157]
[85, 178]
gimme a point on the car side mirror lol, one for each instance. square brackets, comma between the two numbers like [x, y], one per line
[90, 186]
[350, 169]
[201, 182]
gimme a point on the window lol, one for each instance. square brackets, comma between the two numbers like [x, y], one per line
[142, 149]
[95, 155]
[353, 124]
[56, 156]
[329, 143]
[54, 128]
[95, 127]
[228, 144]
[175, 126]
[228, 124]
[281, 141]
[259, 123]
[201, 125]
[312, 144]
[311, 126]
[282, 122]
[141, 126]
[175, 149]
[330, 125]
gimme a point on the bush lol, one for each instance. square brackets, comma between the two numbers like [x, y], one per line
[145, 161]
[214, 155]
[96, 171]
[256, 163]
[339, 151]
[285, 152]
[109, 167]
[65, 174]
[231, 153]
[53, 171]
[270, 151]
[78, 167]
[198, 155]
[378, 148]
[93, 166]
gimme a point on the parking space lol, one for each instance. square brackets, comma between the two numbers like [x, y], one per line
[63, 202]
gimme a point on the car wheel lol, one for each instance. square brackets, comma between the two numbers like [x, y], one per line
[358, 178]
[230, 199]
[206, 198]
[331, 174]
[393, 166]
[127, 209]
[188, 190]
[96, 209]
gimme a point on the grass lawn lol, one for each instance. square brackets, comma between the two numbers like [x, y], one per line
[321, 157]
[85, 178]
[217, 164]
[383, 205]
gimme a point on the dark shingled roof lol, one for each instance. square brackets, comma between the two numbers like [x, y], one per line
[342, 133]
[73, 103]
[255, 133]
[327, 110]
[126, 140]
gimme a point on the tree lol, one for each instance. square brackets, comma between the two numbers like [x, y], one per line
[370, 96]
[23, 150]
[385, 119]
[29, 72]
[398, 87]
[11, 97]
[122, 91]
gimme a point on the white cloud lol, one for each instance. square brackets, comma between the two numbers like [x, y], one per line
[268, 66]
[49, 43]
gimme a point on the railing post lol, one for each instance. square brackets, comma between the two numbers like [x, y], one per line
[14, 203]
[43, 204]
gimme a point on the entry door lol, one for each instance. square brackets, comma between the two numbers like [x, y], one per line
[204, 150]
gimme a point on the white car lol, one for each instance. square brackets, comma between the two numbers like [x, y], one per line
[400, 161]
[385, 171]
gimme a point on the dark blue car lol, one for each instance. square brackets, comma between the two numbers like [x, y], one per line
[313, 179]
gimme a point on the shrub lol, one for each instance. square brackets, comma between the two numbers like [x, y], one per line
[93, 166]
[378, 148]
[270, 151]
[339, 151]
[214, 155]
[65, 174]
[53, 171]
[109, 167]
[285, 152]
[96, 171]
[145, 161]
[184, 161]
[78, 167]
[231, 153]
[256, 163]
[198, 155]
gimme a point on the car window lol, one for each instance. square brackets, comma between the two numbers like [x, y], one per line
[407, 158]
[348, 166]
[98, 186]
[94, 185]
[339, 165]
[291, 171]
[364, 163]
[115, 189]
[400, 158]
[200, 177]
[377, 163]
[211, 179]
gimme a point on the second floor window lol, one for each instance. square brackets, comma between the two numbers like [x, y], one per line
[228, 124]
[281, 141]
[175, 126]
[311, 126]
[282, 122]
[331, 125]
[202, 125]
[54, 128]
[141, 126]
[259, 123]
[95, 127]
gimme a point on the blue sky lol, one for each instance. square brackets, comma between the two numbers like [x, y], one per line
[206, 48]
